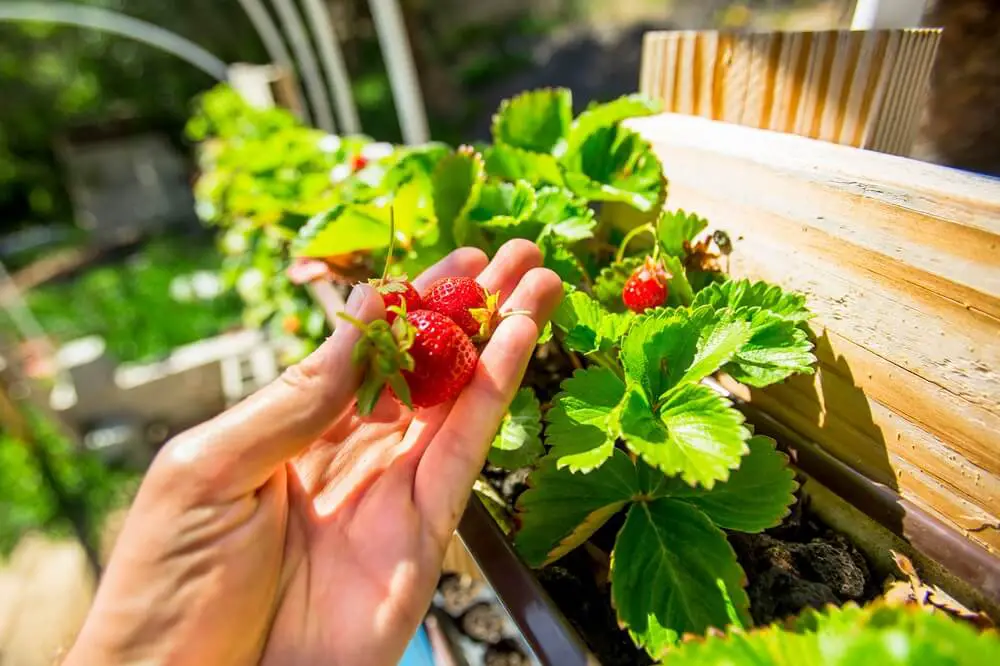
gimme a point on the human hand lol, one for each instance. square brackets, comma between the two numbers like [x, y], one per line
[288, 530]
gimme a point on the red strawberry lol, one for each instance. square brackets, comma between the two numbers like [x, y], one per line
[358, 162]
[647, 287]
[397, 292]
[465, 302]
[444, 359]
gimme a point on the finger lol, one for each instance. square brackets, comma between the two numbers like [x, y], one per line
[463, 262]
[455, 455]
[237, 451]
[513, 259]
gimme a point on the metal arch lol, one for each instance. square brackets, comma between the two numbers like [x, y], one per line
[333, 62]
[290, 17]
[110, 21]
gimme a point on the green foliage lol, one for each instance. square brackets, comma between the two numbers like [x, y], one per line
[518, 442]
[877, 634]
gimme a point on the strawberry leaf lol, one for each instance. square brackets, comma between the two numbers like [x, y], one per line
[583, 421]
[680, 291]
[518, 443]
[615, 164]
[777, 349]
[456, 184]
[672, 573]
[343, 229]
[561, 510]
[504, 204]
[693, 432]
[735, 294]
[564, 215]
[756, 496]
[535, 121]
[608, 114]
[610, 282]
[510, 163]
[675, 227]
[587, 326]
[560, 259]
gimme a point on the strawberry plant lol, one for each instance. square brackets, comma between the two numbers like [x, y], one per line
[634, 441]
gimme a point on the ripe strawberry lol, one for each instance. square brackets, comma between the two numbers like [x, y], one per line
[465, 302]
[358, 162]
[444, 359]
[397, 292]
[647, 287]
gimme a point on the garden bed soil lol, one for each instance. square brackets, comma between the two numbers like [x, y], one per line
[799, 564]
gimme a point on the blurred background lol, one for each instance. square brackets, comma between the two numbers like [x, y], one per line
[120, 324]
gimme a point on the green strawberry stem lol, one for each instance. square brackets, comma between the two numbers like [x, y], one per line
[392, 242]
[645, 228]
[384, 351]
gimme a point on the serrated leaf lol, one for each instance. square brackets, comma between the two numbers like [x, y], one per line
[718, 342]
[344, 229]
[756, 496]
[610, 282]
[736, 294]
[776, 350]
[564, 215]
[583, 421]
[615, 164]
[514, 201]
[518, 442]
[581, 318]
[456, 184]
[510, 163]
[673, 572]
[536, 120]
[560, 259]
[560, 510]
[608, 114]
[658, 349]
[675, 227]
[693, 433]
[680, 291]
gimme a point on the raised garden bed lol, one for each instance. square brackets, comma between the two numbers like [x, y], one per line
[649, 504]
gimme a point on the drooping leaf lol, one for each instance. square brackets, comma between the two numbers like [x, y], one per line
[560, 259]
[583, 421]
[608, 114]
[673, 572]
[776, 350]
[845, 636]
[503, 204]
[675, 227]
[535, 121]
[736, 294]
[615, 164]
[344, 229]
[560, 510]
[564, 215]
[518, 442]
[610, 282]
[457, 181]
[693, 433]
[511, 163]
[756, 496]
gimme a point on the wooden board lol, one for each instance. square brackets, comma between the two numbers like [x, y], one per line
[899, 261]
[853, 87]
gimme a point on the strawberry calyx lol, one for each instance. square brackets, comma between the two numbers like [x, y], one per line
[388, 285]
[384, 351]
[656, 270]
[488, 316]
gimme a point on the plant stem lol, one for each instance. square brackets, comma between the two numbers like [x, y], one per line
[606, 360]
[630, 235]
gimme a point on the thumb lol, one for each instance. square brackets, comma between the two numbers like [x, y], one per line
[238, 450]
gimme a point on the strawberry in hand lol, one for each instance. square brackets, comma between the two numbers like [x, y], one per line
[465, 302]
[397, 292]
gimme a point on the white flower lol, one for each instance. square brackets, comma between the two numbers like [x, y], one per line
[206, 285]
[377, 151]
[340, 173]
[329, 143]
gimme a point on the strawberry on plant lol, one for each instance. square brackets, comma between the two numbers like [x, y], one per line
[444, 360]
[397, 292]
[465, 302]
[358, 162]
[647, 287]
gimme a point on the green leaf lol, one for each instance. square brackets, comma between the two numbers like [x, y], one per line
[675, 227]
[456, 183]
[693, 432]
[560, 510]
[658, 349]
[344, 229]
[718, 342]
[560, 259]
[583, 421]
[564, 215]
[680, 292]
[581, 318]
[610, 282]
[849, 635]
[672, 573]
[615, 164]
[757, 496]
[510, 203]
[608, 114]
[510, 163]
[518, 442]
[735, 294]
[535, 121]
[776, 350]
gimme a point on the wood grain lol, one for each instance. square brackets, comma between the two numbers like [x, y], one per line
[898, 260]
